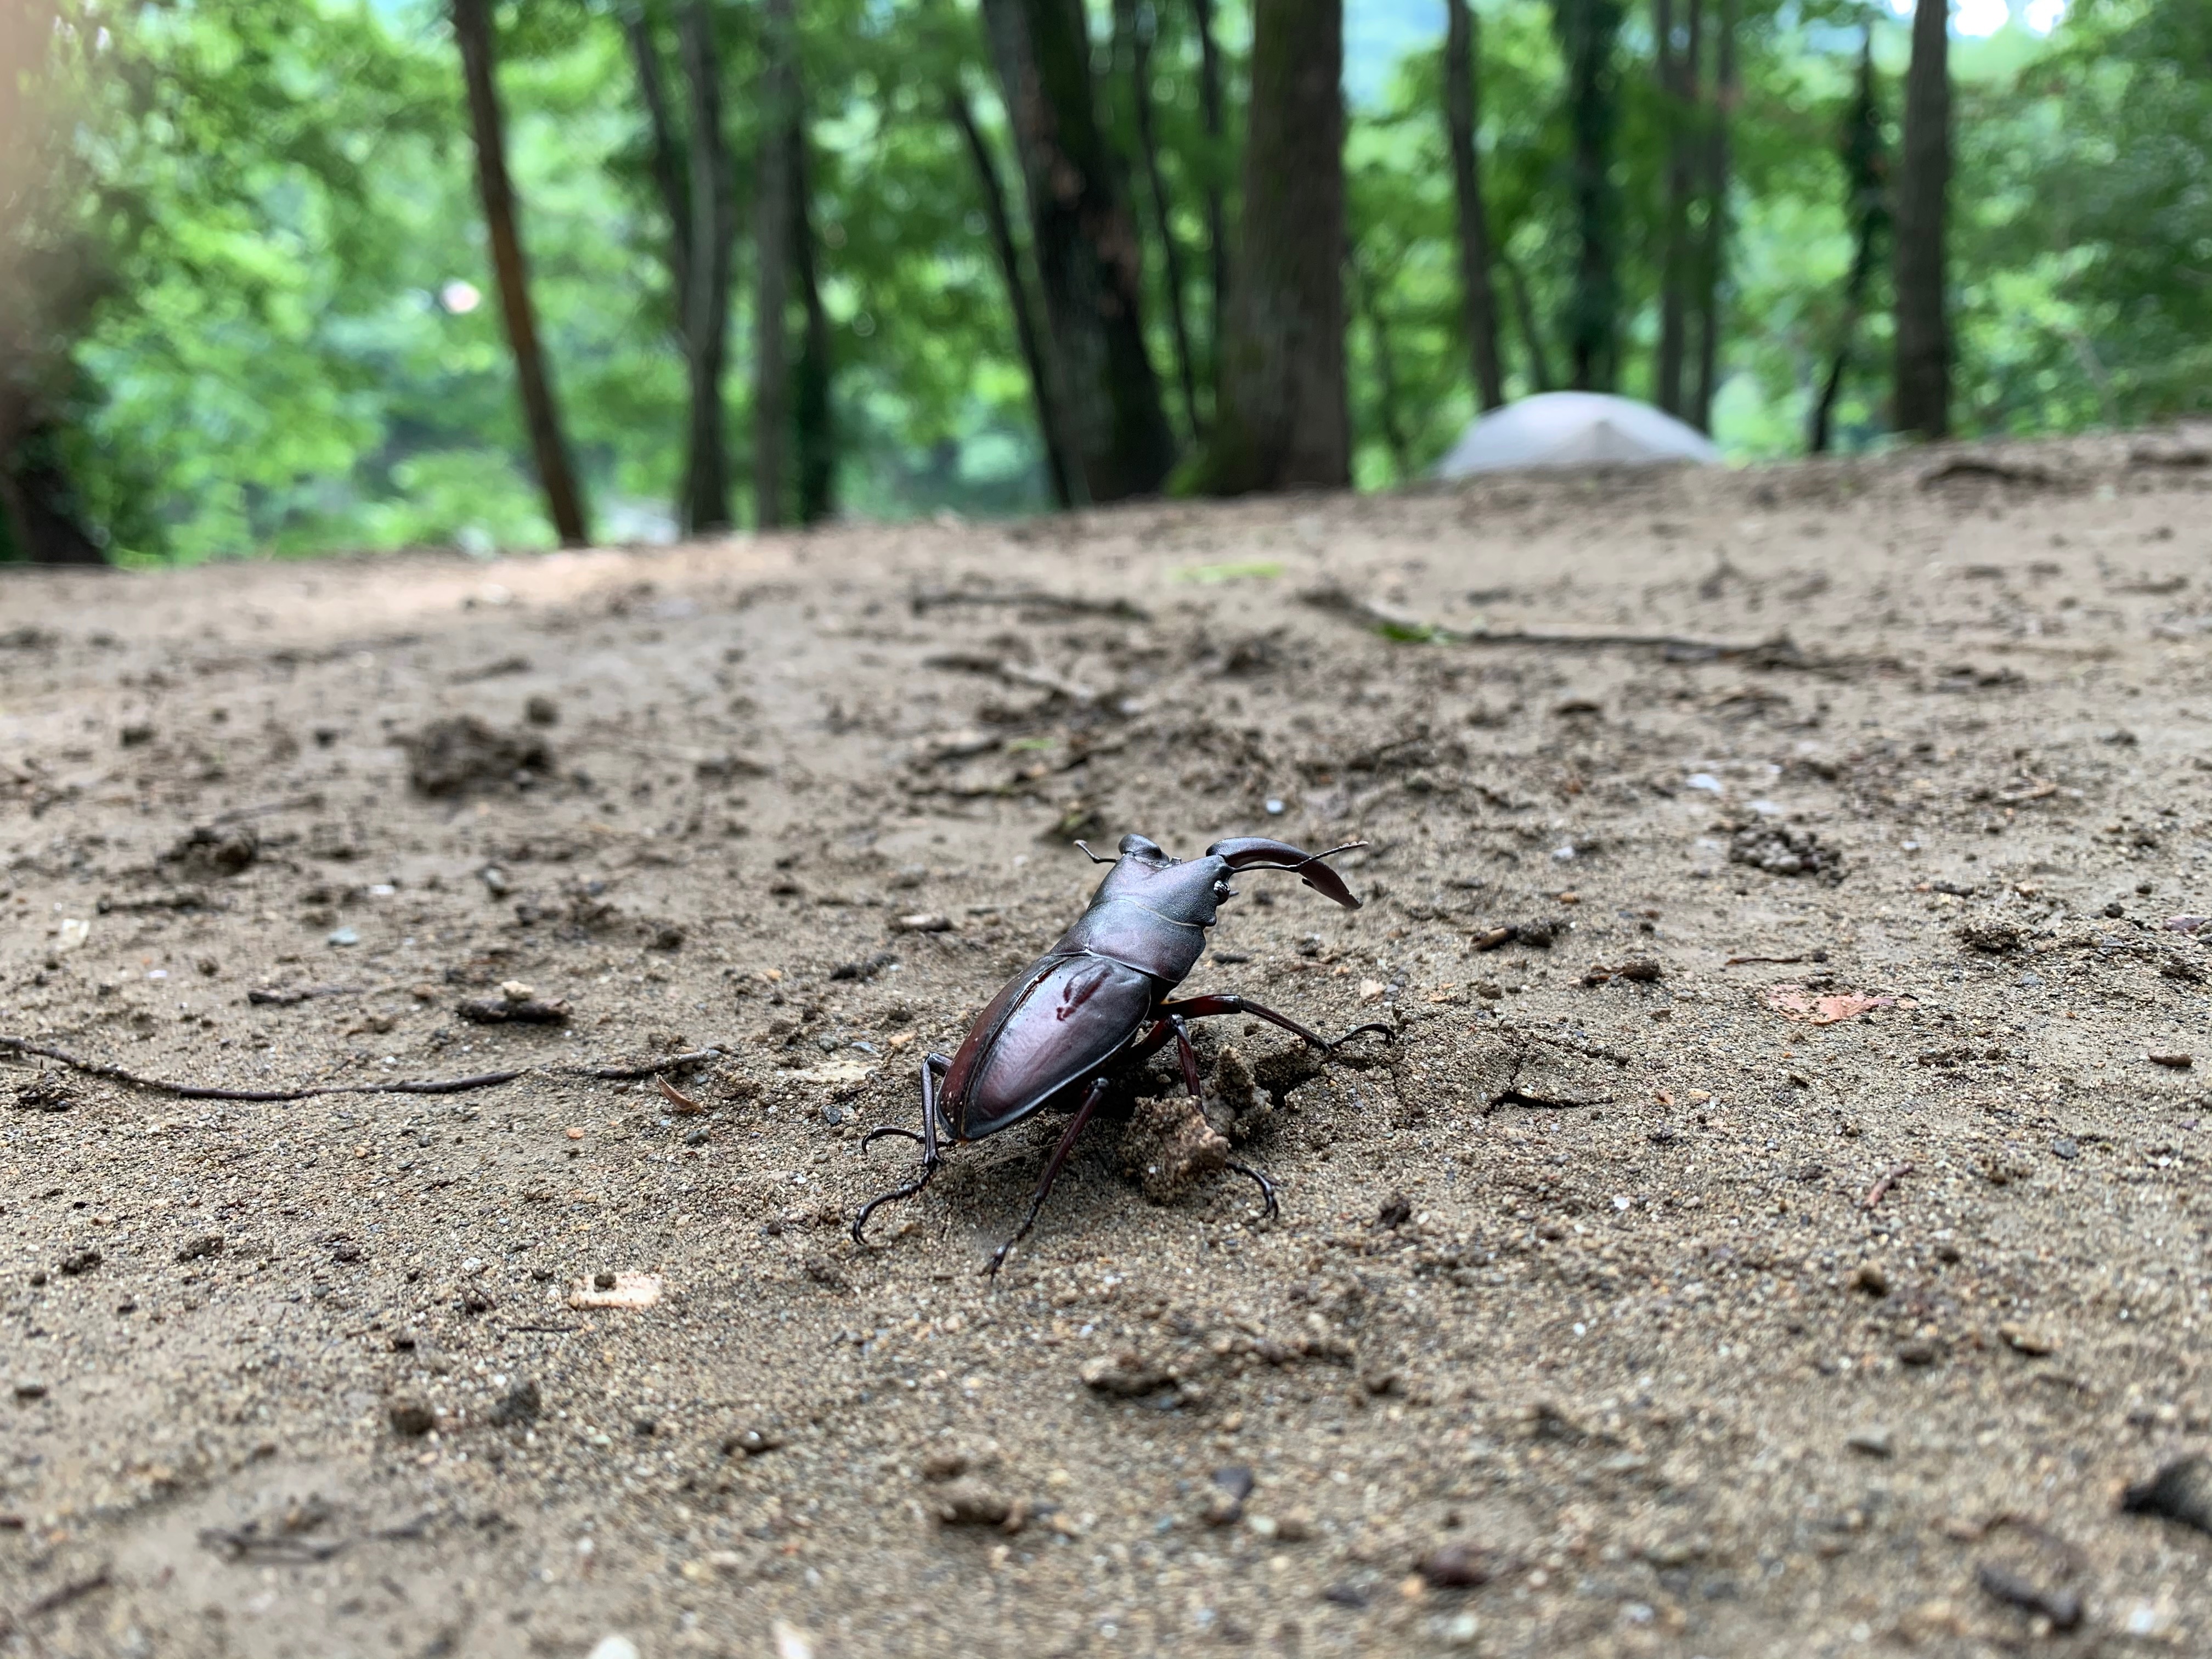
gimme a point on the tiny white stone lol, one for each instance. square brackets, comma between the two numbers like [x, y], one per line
[615, 1647]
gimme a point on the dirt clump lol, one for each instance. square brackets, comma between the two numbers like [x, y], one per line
[462, 752]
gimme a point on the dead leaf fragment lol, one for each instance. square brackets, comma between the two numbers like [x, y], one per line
[675, 1097]
[1796, 1002]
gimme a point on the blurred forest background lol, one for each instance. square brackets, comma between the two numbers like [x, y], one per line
[290, 276]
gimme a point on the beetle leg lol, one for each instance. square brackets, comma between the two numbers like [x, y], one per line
[1208, 1007]
[1190, 1057]
[932, 1068]
[1051, 1171]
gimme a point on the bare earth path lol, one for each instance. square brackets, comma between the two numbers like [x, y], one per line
[1650, 1316]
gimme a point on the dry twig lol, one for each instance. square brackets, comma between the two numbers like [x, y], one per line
[1777, 652]
[451, 1086]
[1881, 1186]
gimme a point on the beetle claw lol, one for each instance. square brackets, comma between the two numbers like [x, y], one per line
[1267, 1187]
[1358, 1030]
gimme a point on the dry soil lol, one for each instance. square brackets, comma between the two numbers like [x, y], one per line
[1775, 1223]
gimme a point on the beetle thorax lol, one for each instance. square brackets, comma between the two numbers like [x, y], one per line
[1188, 892]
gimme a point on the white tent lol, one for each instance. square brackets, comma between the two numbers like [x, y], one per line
[1574, 429]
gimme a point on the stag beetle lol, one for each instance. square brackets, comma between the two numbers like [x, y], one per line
[1097, 1003]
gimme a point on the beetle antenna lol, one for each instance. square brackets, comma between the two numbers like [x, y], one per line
[1095, 859]
[1315, 858]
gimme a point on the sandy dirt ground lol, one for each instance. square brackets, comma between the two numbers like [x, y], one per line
[1774, 1224]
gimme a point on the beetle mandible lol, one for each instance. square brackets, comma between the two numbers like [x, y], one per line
[1098, 1002]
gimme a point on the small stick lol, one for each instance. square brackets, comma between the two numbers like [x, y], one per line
[1780, 649]
[1073, 605]
[449, 1086]
[1738, 961]
[276, 996]
[56, 1599]
[1882, 1185]
[633, 1073]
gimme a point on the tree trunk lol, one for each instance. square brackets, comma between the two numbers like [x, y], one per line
[771, 257]
[1712, 265]
[1282, 423]
[1865, 170]
[1532, 331]
[810, 413]
[1216, 217]
[1588, 31]
[1386, 372]
[1135, 25]
[1923, 339]
[1463, 121]
[44, 524]
[1060, 466]
[667, 167]
[1682, 95]
[1087, 253]
[706, 298]
[564, 501]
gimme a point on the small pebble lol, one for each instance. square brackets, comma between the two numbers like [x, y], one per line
[1455, 1566]
[1225, 1505]
[1869, 1279]
[615, 1647]
[1125, 1373]
[2063, 1608]
[410, 1418]
[2182, 1491]
[521, 1404]
[968, 1503]
[1872, 1442]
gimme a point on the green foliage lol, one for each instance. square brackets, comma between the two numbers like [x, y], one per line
[226, 301]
